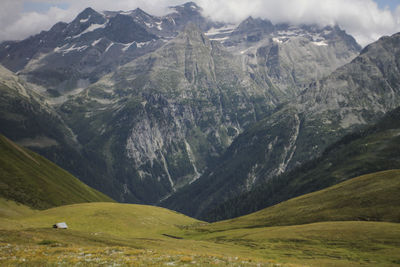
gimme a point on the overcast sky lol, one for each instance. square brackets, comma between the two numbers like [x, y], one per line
[366, 20]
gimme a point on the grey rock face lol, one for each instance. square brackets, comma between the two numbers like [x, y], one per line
[69, 57]
[287, 56]
[356, 94]
[173, 112]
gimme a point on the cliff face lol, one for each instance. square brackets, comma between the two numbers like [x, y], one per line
[289, 57]
[356, 94]
[161, 119]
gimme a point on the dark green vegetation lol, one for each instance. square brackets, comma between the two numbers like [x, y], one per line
[333, 232]
[369, 150]
[372, 197]
[34, 181]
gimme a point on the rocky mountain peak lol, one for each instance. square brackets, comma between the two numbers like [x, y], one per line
[188, 7]
[253, 30]
[335, 34]
[86, 13]
[391, 42]
[58, 27]
[83, 21]
[140, 12]
[251, 24]
[123, 29]
[89, 16]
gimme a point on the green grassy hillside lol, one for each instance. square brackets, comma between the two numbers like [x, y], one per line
[336, 244]
[306, 231]
[9, 208]
[110, 234]
[30, 179]
[352, 223]
[372, 197]
[119, 220]
[137, 235]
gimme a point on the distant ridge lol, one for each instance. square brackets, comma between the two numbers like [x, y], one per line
[371, 197]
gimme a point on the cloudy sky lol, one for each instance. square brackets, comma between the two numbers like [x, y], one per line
[366, 20]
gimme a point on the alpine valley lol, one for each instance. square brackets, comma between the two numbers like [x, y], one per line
[142, 106]
[294, 126]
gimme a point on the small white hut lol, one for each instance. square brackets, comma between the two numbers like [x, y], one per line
[61, 225]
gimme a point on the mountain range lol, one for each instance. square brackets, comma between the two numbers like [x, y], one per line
[286, 137]
[185, 112]
[354, 95]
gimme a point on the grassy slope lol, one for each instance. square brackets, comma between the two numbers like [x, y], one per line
[323, 228]
[120, 220]
[110, 233]
[11, 209]
[318, 244]
[106, 233]
[33, 180]
[372, 197]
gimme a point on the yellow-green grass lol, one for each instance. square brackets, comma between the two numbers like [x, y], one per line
[138, 235]
[35, 181]
[318, 244]
[111, 232]
[12, 209]
[119, 220]
[372, 197]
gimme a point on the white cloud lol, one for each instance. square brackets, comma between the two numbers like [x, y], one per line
[32, 23]
[361, 18]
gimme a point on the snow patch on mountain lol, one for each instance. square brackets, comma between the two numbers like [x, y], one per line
[126, 46]
[222, 30]
[108, 47]
[159, 27]
[64, 50]
[320, 43]
[85, 20]
[96, 42]
[91, 28]
[142, 44]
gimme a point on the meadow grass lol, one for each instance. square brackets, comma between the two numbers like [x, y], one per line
[108, 233]
[318, 244]
[313, 230]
